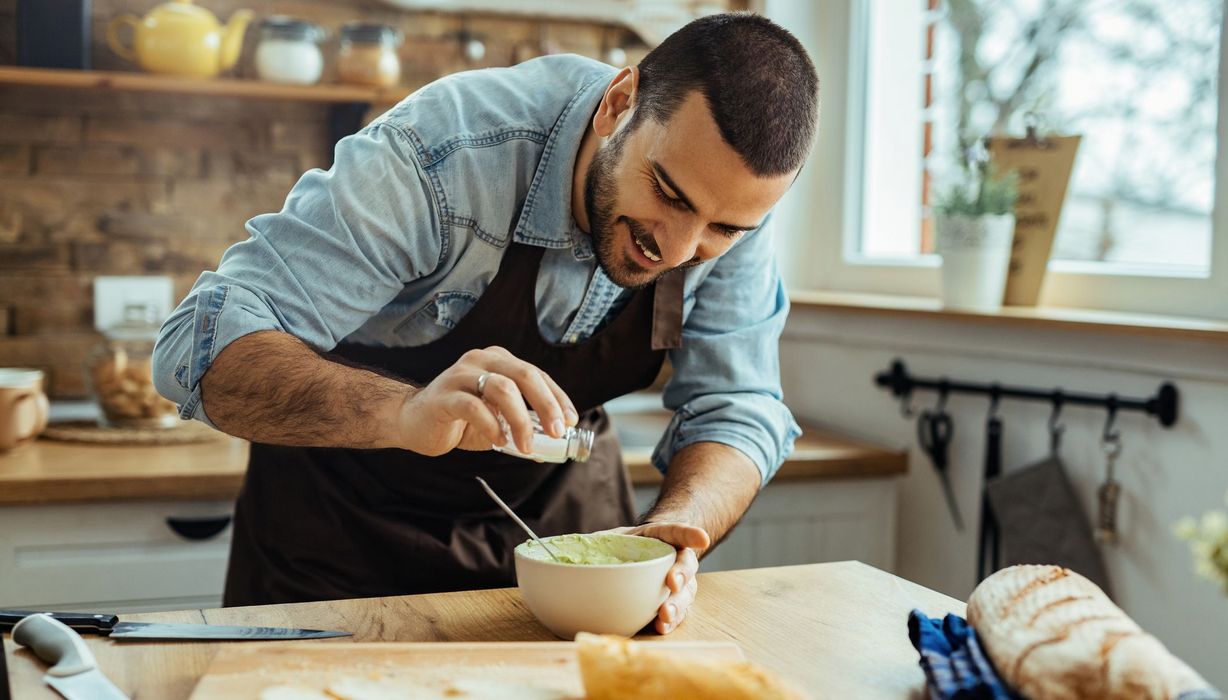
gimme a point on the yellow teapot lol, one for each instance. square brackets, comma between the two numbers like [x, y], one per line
[180, 38]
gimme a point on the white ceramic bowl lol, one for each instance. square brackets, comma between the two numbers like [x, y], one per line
[598, 598]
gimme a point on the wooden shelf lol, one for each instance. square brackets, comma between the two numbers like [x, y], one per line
[48, 471]
[218, 87]
[1176, 327]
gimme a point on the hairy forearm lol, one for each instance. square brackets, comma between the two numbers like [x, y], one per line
[271, 387]
[708, 484]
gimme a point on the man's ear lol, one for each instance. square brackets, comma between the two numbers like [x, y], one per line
[618, 101]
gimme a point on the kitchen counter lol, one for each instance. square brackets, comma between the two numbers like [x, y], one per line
[49, 471]
[836, 629]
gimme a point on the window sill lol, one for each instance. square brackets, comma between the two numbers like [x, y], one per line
[1153, 326]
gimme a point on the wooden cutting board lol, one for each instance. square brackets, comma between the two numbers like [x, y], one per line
[379, 670]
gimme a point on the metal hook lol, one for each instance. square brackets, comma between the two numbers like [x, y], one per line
[906, 408]
[944, 389]
[1109, 434]
[1110, 439]
[995, 397]
[1056, 429]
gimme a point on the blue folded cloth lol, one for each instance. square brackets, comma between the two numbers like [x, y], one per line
[955, 665]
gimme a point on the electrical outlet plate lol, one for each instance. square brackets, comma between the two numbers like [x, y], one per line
[111, 294]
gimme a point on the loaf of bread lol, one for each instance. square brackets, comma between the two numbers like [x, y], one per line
[1053, 635]
[614, 668]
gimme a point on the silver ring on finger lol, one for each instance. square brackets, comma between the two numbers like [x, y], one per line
[482, 383]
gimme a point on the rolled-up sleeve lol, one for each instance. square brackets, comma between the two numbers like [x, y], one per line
[346, 242]
[725, 386]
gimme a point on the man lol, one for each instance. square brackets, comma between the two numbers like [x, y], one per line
[538, 237]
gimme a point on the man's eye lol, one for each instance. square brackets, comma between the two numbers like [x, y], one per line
[676, 203]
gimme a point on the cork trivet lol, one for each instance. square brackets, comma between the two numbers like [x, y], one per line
[88, 431]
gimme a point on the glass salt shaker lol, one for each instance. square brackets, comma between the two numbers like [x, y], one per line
[575, 444]
[289, 51]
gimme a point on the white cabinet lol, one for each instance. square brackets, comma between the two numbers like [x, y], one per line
[804, 522]
[113, 557]
[171, 555]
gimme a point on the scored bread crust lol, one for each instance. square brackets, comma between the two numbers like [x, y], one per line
[614, 668]
[1054, 635]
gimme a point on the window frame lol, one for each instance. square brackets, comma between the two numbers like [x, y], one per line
[823, 251]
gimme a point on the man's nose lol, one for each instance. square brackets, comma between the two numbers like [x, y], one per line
[679, 242]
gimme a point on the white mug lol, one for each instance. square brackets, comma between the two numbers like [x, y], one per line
[23, 406]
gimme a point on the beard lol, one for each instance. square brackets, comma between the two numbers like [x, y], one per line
[600, 200]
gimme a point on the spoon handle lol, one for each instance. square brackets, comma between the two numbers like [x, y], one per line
[508, 510]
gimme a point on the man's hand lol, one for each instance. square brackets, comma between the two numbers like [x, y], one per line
[691, 542]
[270, 387]
[451, 412]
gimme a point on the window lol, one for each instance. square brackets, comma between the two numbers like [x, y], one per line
[911, 81]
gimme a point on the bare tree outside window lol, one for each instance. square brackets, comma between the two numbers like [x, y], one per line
[1138, 78]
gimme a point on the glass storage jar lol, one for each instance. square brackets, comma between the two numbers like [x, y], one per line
[121, 375]
[368, 54]
[289, 51]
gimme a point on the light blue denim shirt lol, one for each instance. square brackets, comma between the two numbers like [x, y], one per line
[395, 243]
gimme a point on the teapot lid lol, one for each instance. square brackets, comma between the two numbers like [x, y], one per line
[182, 9]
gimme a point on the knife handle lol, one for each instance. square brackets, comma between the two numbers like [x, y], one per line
[56, 643]
[82, 622]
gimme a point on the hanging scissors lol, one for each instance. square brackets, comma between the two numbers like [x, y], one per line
[934, 432]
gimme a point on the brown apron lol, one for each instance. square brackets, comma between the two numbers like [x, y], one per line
[324, 523]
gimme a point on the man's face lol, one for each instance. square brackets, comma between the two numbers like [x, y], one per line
[663, 196]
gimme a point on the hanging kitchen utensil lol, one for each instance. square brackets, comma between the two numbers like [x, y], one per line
[1040, 517]
[988, 553]
[934, 432]
[1109, 492]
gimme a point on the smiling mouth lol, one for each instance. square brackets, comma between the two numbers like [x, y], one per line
[643, 240]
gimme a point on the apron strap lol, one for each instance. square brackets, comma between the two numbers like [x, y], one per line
[667, 311]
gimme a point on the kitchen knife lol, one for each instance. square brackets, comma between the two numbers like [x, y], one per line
[74, 672]
[110, 626]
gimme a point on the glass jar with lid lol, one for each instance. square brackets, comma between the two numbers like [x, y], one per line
[120, 373]
[368, 54]
[289, 51]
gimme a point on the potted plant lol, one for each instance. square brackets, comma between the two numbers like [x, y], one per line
[974, 224]
[1208, 538]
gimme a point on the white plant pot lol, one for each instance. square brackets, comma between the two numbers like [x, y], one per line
[976, 254]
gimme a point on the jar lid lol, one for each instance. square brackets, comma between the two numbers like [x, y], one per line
[371, 33]
[281, 27]
[139, 322]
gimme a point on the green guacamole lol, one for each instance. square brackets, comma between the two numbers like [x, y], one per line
[597, 550]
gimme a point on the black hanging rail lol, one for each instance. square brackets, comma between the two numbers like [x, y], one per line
[1163, 405]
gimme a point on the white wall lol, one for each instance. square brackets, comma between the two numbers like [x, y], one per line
[829, 359]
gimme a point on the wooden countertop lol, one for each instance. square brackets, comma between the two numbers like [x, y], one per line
[49, 471]
[836, 629]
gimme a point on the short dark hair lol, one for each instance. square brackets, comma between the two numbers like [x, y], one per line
[756, 78]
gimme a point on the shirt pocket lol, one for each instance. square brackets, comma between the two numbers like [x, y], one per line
[444, 311]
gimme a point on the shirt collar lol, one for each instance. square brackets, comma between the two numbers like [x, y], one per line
[546, 218]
